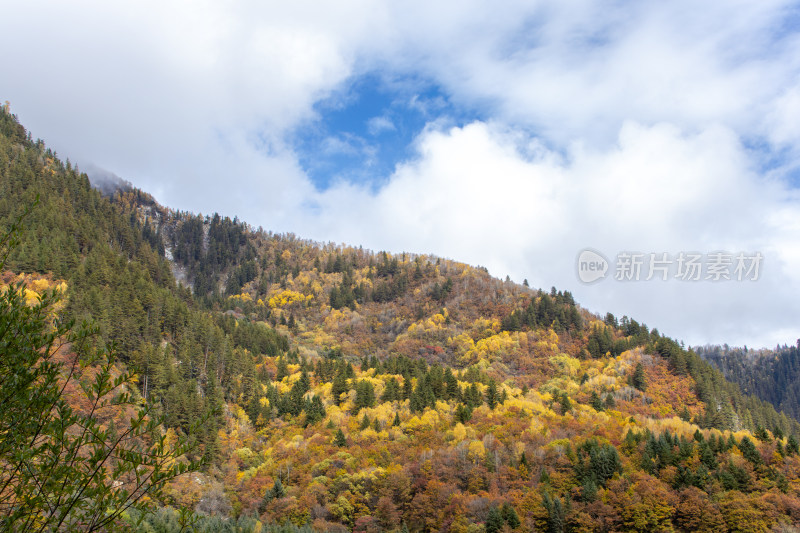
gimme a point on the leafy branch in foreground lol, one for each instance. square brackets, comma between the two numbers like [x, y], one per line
[77, 450]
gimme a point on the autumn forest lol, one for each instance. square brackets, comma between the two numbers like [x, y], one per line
[325, 387]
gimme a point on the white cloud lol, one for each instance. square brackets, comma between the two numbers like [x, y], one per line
[781, 121]
[338, 146]
[378, 125]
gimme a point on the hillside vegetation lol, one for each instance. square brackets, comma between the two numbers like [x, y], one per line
[358, 391]
[772, 375]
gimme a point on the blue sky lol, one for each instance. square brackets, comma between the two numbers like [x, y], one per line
[511, 137]
[361, 132]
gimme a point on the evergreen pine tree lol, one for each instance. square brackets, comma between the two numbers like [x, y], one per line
[556, 515]
[609, 401]
[452, 390]
[494, 522]
[339, 387]
[565, 403]
[283, 369]
[365, 395]
[491, 394]
[510, 516]
[408, 387]
[277, 489]
[792, 446]
[391, 392]
[523, 461]
[638, 379]
[749, 451]
[595, 401]
[340, 440]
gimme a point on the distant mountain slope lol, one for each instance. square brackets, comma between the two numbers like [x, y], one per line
[772, 375]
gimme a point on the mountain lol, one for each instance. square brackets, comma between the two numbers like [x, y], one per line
[345, 389]
[772, 375]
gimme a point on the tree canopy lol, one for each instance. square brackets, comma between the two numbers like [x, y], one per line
[77, 449]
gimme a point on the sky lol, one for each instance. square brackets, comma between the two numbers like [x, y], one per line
[512, 136]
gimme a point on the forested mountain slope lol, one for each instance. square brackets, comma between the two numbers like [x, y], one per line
[772, 375]
[353, 390]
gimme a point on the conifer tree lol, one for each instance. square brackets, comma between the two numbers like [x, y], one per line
[277, 489]
[283, 369]
[792, 446]
[339, 387]
[565, 403]
[595, 401]
[638, 378]
[494, 522]
[510, 516]
[556, 515]
[391, 392]
[491, 394]
[365, 395]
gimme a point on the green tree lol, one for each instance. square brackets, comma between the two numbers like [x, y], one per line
[339, 387]
[283, 369]
[510, 516]
[609, 401]
[340, 440]
[277, 489]
[463, 413]
[523, 461]
[491, 394]
[556, 514]
[638, 378]
[595, 401]
[494, 522]
[392, 391]
[749, 451]
[59, 460]
[365, 395]
[566, 404]
[792, 446]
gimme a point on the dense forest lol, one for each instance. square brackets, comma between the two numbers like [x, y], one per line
[772, 375]
[342, 389]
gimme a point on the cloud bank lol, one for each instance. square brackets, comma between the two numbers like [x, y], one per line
[622, 126]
